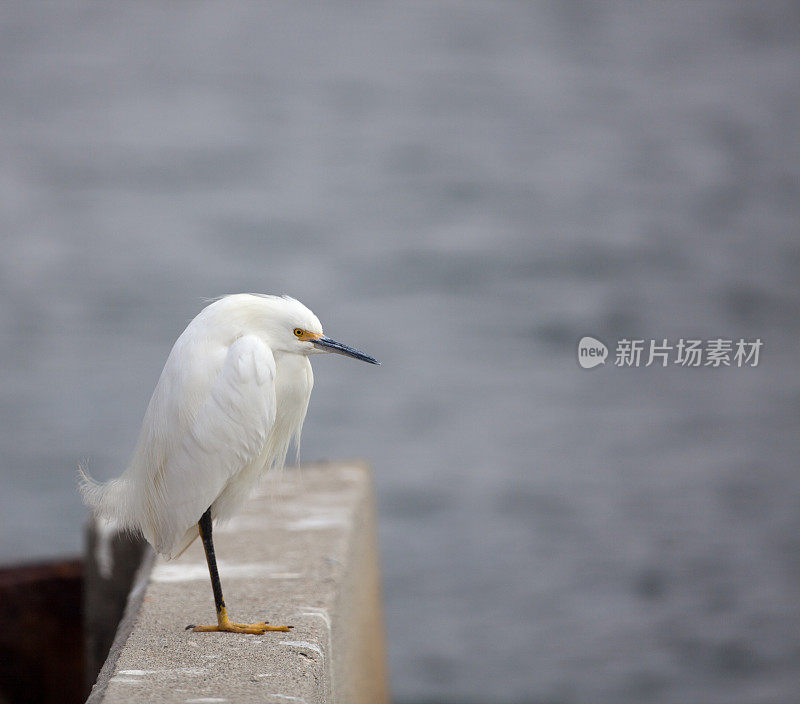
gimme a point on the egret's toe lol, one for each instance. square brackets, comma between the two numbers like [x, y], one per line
[225, 626]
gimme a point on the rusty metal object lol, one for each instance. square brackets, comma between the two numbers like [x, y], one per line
[41, 635]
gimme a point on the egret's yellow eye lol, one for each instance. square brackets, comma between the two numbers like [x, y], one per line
[298, 332]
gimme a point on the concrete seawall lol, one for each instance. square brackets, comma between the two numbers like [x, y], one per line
[305, 555]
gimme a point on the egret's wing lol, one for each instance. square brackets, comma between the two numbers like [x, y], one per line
[227, 434]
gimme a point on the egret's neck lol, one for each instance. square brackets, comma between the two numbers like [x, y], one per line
[293, 382]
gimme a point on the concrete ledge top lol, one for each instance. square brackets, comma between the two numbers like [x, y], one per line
[303, 554]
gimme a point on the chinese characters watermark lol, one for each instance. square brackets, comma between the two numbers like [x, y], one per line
[714, 353]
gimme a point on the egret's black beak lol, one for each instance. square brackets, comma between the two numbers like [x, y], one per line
[325, 344]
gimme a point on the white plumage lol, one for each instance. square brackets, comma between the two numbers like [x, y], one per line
[232, 396]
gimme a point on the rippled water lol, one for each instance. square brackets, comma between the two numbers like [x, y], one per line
[462, 190]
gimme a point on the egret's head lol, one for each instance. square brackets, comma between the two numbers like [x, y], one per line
[299, 331]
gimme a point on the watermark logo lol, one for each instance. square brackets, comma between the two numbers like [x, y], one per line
[591, 352]
[714, 353]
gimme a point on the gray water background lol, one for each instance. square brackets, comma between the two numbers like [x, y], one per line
[462, 190]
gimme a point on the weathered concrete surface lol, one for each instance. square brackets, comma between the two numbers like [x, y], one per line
[112, 560]
[304, 555]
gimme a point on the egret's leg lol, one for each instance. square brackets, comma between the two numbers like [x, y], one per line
[223, 623]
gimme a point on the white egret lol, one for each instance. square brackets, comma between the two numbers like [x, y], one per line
[232, 396]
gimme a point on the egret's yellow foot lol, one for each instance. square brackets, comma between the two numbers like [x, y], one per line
[255, 629]
[223, 624]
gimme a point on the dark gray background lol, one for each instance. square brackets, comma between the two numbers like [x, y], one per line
[462, 190]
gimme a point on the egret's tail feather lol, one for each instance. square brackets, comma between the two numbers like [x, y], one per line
[107, 499]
